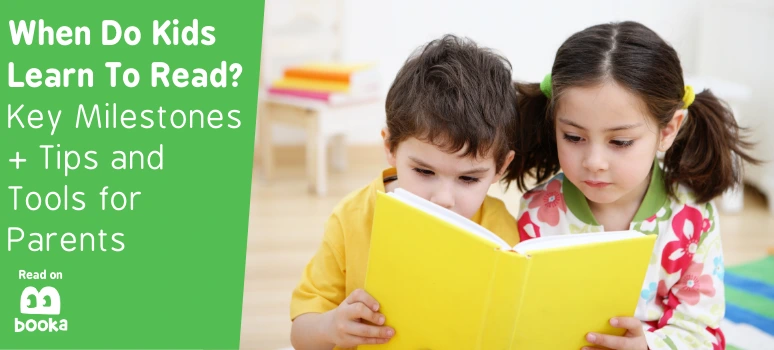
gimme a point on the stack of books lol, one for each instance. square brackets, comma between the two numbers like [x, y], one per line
[333, 84]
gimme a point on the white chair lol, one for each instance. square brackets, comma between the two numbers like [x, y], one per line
[312, 32]
[325, 127]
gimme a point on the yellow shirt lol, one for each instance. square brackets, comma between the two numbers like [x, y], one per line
[339, 266]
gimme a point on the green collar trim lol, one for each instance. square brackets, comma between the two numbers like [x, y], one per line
[654, 200]
[577, 203]
[655, 197]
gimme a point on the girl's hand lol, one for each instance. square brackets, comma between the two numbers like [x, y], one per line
[634, 339]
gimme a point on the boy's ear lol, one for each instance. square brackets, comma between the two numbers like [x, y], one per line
[669, 133]
[508, 160]
[387, 153]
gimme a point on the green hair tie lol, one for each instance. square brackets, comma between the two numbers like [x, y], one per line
[545, 85]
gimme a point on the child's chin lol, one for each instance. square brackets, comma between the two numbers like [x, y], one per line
[600, 195]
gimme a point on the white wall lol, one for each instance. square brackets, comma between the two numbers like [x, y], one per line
[528, 33]
[737, 44]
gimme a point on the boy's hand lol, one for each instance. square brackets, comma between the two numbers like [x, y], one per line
[634, 339]
[345, 328]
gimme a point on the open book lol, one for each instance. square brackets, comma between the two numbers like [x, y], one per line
[445, 282]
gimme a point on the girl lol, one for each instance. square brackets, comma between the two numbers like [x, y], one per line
[615, 98]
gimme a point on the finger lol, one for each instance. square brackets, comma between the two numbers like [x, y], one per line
[630, 323]
[362, 296]
[367, 331]
[360, 310]
[610, 341]
[354, 341]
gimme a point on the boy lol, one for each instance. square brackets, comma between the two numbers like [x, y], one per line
[450, 115]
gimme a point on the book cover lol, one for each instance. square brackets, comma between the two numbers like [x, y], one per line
[445, 282]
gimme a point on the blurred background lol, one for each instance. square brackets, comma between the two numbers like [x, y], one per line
[318, 137]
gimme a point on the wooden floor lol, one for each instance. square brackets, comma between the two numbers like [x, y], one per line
[286, 227]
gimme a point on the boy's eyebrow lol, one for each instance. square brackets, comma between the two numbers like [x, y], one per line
[420, 162]
[470, 171]
[617, 128]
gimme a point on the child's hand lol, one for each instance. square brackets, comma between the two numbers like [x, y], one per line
[634, 339]
[344, 327]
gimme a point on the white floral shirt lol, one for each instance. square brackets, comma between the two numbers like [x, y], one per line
[682, 300]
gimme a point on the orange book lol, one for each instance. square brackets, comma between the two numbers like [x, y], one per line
[305, 73]
[311, 85]
[355, 74]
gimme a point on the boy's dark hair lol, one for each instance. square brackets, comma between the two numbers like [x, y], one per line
[454, 94]
[628, 53]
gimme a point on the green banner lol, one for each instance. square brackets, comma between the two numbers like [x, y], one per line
[126, 152]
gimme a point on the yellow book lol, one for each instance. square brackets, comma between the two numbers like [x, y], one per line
[444, 282]
[339, 66]
[311, 85]
[359, 76]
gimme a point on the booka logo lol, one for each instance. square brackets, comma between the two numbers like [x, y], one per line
[43, 302]
[37, 305]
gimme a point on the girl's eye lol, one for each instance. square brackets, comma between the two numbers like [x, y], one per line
[622, 144]
[424, 172]
[469, 180]
[573, 139]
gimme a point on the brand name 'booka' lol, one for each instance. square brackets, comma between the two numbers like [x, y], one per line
[49, 325]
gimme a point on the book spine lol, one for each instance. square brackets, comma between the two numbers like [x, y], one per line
[341, 77]
[490, 306]
[504, 301]
[320, 96]
[514, 342]
[311, 85]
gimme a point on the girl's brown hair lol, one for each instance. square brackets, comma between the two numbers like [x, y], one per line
[708, 151]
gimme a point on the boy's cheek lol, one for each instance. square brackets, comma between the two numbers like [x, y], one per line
[415, 186]
[471, 198]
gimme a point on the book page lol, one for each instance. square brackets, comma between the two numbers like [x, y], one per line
[569, 240]
[448, 216]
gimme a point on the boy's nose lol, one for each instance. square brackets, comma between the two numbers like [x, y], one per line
[443, 197]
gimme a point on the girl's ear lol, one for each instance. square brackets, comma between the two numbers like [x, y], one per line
[669, 133]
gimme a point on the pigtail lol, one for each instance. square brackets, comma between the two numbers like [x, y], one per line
[534, 140]
[708, 152]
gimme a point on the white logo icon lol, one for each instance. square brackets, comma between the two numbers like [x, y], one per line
[41, 305]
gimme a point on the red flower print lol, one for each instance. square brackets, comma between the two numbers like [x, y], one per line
[531, 194]
[668, 313]
[693, 284]
[527, 228]
[688, 225]
[721, 344]
[550, 202]
[668, 300]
